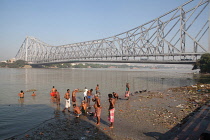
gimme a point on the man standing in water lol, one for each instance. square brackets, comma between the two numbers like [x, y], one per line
[97, 107]
[53, 91]
[115, 95]
[21, 94]
[89, 94]
[97, 89]
[111, 110]
[57, 97]
[74, 95]
[85, 93]
[127, 92]
[33, 94]
[67, 97]
[84, 106]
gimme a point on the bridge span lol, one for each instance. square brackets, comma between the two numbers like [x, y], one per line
[179, 36]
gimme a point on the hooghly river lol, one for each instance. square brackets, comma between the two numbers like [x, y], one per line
[19, 115]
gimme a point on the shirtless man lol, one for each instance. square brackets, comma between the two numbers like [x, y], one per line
[53, 91]
[21, 94]
[74, 95]
[84, 106]
[57, 97]
[67, 97]
[89, 94]
[115, 95]
[77, 110]
[97, 89]
[97, 107]
[111, 110]
[33, 94]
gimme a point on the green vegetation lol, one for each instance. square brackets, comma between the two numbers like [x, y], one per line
[203, 63]
[16, 64]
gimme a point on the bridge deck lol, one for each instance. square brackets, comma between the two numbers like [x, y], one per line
[117, 61]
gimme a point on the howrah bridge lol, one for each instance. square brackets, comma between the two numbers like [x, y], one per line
[179, 36]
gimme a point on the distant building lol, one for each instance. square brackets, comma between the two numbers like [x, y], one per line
[73, 64]
[11, 60]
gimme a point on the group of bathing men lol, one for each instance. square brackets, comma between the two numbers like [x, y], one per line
[78, 110]
[85, 104]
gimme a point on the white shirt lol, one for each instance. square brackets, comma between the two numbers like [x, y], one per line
[85, 92]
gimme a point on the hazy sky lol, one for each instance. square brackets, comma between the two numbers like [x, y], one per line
[59, 22]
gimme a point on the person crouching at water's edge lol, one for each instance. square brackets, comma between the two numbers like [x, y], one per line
[77, 110]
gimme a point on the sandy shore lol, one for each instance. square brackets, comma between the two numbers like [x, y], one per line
[146, 116]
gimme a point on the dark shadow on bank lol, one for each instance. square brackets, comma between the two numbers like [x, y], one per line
[188, 125]
[64, 125]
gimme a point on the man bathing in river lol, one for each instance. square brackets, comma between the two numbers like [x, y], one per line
[97, 107]
[67, 97]
[85, 93]
[57, 97]
[89, 94]
[21, 94]
[115, 95]
[111, 110]
[77, 110]
[33, 94]
[53, 91]
[97, 89]
[84, 106]
[74, 95]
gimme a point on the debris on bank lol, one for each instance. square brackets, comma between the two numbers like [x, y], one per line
[174, 106]
[195, 96]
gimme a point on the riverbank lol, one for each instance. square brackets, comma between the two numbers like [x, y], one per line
[146, 115]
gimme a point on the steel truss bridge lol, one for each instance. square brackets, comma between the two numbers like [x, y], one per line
[178, 37]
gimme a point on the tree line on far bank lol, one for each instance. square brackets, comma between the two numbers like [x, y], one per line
[22, 63]
[203, 63]
[16, 64]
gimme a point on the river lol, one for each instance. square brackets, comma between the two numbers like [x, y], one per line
[20, 115]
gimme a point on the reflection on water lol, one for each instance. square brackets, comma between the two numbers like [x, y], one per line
[21, 101]
[57, 112]
[33, 110]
